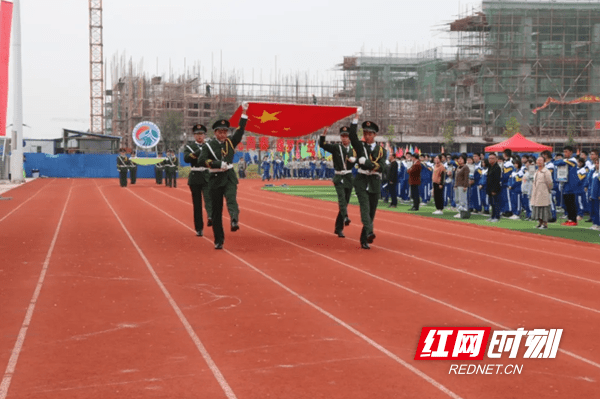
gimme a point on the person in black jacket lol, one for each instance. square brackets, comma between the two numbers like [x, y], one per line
[494, 181]
[392, 176]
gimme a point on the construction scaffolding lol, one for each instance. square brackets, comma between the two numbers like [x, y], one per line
[502, 61]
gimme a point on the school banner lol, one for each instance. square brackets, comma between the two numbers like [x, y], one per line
[289, 120]
[580, 100]
[5, 29]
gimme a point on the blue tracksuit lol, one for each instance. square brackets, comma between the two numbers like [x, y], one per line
[506, 204]
[594, 192]
[514, 183]
[582, 174]
[266, 167]
[485, 201]
[555, 189]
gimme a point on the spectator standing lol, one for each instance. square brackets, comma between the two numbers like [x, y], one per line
[462, 184]
[541, 194]
[414, 180]
[438, 178]
[494, 184]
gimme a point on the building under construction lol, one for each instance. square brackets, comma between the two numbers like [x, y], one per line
[503, 61]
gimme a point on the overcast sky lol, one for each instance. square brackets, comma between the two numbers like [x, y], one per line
[309, 36]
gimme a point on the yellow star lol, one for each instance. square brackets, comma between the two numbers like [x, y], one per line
[286, 128]
[266, 117]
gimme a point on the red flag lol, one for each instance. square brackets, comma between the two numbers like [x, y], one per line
[264, 143]
[251, 143]
[240, 147]
[289, 120]
[5, 26]
[280, 145]
[289, 144]
[581, 100]
[597, 125]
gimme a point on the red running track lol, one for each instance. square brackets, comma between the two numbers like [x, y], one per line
[106, 292]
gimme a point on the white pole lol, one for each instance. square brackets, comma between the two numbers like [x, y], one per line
[16, 159]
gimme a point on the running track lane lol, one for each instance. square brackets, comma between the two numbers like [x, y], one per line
[505, 300]
[414, 313]
[25, 238]
[102, 327]
[270, 343]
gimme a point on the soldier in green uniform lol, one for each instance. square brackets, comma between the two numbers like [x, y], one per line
[344, 158]
[171, 164]
[198, 179]
[217, 155]
[132, 169]
[367, 184]
[158, 172]
[122, 167]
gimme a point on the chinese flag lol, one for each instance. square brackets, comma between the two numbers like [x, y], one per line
[289, 120]
[597, 125]
[5, 27]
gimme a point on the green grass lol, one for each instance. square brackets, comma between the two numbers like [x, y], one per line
[327, 193]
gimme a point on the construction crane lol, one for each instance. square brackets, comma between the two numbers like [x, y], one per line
[96, 68]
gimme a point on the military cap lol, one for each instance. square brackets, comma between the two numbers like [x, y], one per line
[221, 124]
[370, 127]
[344, 131]
[198, 129]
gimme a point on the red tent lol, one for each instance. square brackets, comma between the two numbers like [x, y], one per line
[518, 143]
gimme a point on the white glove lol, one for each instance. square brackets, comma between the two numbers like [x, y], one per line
[224, 165]
[362, 160]
[245, 105]
[352, 159]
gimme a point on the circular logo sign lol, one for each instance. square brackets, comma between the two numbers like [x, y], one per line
[146, 135]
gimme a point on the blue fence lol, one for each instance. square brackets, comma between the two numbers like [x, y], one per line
[86, 165]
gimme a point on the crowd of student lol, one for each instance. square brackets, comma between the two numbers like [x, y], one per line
[459, 182]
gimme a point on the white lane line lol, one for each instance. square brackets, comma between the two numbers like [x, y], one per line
[24, 202]
[466, 312]
[14, 357]
[322, 311]
[433, 242]
[439, 264]
[199, 345]
[466, 225]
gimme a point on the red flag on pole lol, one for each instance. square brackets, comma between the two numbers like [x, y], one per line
[289, 120]
[280, 145]
[597, 125]
[264, 143]
[251, 142]
[5, 27]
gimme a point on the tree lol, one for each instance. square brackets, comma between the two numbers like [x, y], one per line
[390, 134]
[171, 127]
[449, 127]
[512, 127]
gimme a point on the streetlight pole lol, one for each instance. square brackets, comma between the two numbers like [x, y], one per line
[16, 158]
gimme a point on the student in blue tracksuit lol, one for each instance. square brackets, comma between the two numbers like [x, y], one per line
[594, 192]
[591, 164]
[580, 190]
[266, 167]
[313, 168]
[485, 201]
[450, 166]
[547, 155]
[474, 195]
[570, 186]
[514, 184]
[507, 169]
[404, 162]
[527, 186]
[323, 169]
[426, 176]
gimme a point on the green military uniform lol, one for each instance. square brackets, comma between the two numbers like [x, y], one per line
[367, 183]
[198, 181]
[122, 167]
[132, 171]
[343, 180]
[171, 164]
[158, 172]
[218, 156]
